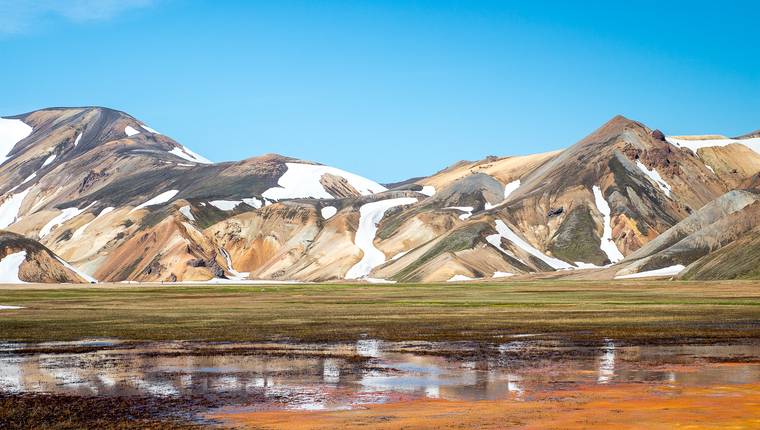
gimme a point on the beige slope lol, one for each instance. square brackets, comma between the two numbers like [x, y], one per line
[504, 169]
[40, 264]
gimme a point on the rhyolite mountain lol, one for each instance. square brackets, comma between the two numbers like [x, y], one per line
[96, 194]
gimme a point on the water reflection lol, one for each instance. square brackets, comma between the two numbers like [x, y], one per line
[328, 376]
[606, 363]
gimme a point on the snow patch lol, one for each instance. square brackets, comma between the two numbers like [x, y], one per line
[159, 199]
[655, 177]
[506, 233]
[9, 267]
[370, 215]
[460, 278]
[129, 131]
[428, 190]
[253, 202]
[711, 169]
[10, 208]
[48, 160]
[83, 275]
[76, 141]
[696, 144]
[65, 215]
[665, 271]
[8, 307]
[466, 209]
[328, 211]
[12, 131]
[225, 205]
[187, 154]
[511, 188]
[185, 210]
[302, 181]
[502, 274]
[607, 245]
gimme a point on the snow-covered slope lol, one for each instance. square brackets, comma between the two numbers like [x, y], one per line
[305, 181]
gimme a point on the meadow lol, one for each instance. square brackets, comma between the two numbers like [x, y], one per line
[641, 311]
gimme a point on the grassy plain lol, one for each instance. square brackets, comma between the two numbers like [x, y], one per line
[642, 311]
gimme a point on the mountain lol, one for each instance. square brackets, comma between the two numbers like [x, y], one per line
[100, 191]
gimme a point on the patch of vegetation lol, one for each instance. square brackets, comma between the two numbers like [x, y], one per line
[576, 239]
[458, 240]
[153, 218]
[738, 260]
[208, 215]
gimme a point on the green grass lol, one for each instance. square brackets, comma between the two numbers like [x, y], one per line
[635, 311]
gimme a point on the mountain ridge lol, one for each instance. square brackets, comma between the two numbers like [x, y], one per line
[119, 200]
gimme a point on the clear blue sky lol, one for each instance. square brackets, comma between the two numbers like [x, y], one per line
[387, 89]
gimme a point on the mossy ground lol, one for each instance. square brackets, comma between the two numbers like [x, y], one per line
[646, 311]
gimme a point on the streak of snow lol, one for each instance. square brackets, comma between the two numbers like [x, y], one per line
[303, 181]
[83, 275]
[695, 144]
[225, 205]
[460, 278]
[9, 267]
[711, 169]
[505, 232]
[80, 231]
[428, 190]
[466, 209]
[235, 274]
[76, 141]
[370, 215]
[159, 199]
[28, 178]
[399, 255]
[48, 160]
[502, 274]
[378, 280]
[65, 215]
[146, 128]
[8, 308]
[10, 208]
[129, 131]
[607, 245]
[655, 177]
[12, 131]
[584, 266]
[185, 210]
[328, 211]
[187, 154]
[665, 271]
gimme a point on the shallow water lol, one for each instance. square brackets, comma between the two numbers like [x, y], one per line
[343, 375]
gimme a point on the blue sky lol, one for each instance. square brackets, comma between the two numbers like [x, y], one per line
[387, 89]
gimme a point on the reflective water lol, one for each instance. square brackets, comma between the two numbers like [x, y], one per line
[342, 375]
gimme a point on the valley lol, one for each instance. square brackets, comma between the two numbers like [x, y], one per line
[380, 356]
